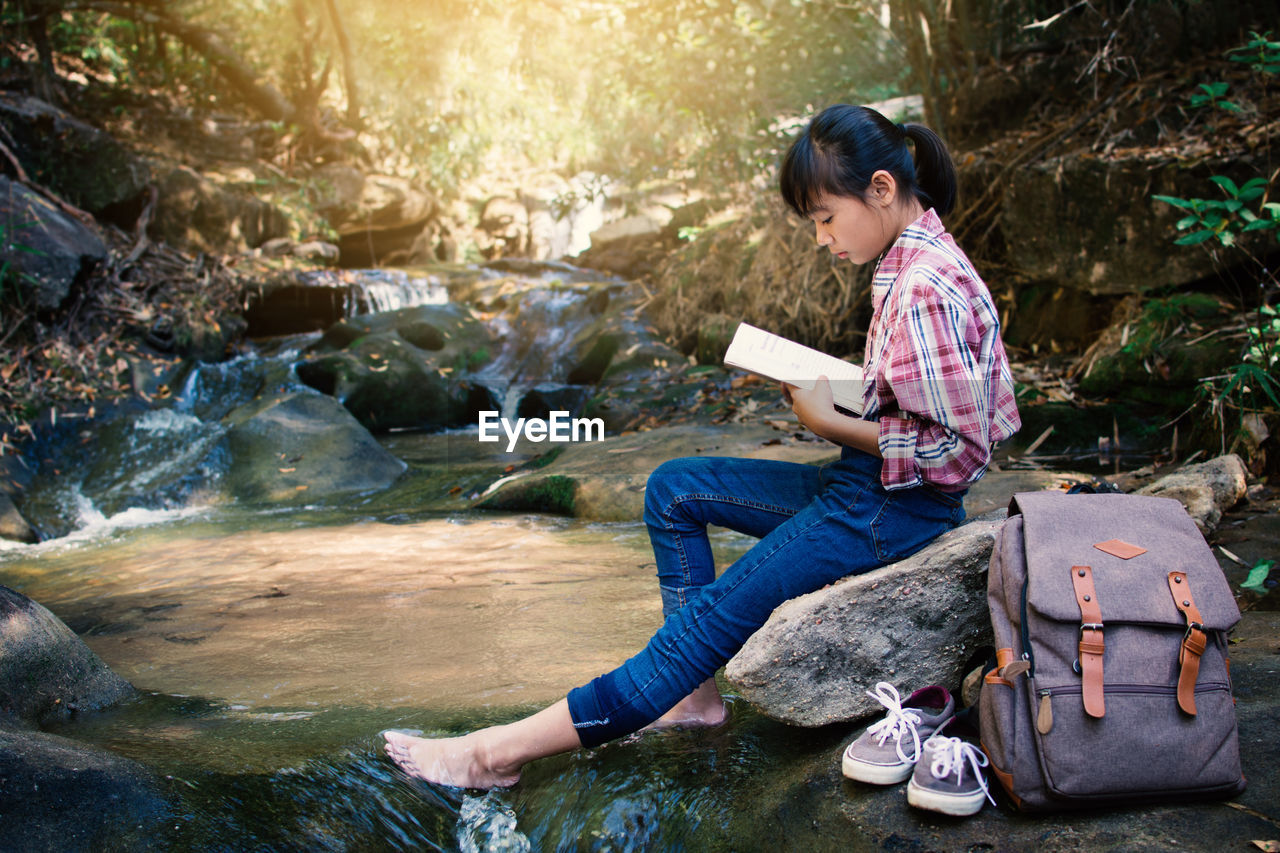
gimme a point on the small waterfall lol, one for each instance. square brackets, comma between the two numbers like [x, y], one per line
[391, 290]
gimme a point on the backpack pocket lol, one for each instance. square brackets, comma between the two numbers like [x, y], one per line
[1143, 748]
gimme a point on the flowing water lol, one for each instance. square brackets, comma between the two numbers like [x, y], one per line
[271, 647]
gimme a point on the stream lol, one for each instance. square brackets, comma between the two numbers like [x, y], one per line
[271, 647]
[271, 643]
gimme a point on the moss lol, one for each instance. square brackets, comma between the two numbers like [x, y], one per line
[554, 494]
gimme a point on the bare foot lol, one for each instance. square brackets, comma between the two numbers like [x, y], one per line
[462, 762]
[703, 708]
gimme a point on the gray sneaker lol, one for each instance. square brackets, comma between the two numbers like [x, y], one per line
[948, 778]
[887, 751]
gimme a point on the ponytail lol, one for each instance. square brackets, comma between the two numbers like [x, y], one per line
[936, 179]
[845, 145]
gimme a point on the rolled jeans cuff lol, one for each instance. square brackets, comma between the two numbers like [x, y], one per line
[589, 719]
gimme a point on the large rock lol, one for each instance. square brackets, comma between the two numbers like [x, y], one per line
[303, 446]
[57, 794]
[198, 215]
[1108, 235]
[389, 215]
[12, 525]
[47, 251]
[915, 622]
[47, 673]
[84, 165]
[388, 383]
[1206, 490]
[406, 368]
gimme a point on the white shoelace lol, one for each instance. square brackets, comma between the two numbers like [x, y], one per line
[950, 755]
[898, 722]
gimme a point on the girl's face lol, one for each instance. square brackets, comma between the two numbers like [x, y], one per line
[853, 229]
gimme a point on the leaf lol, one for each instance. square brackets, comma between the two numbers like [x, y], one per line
[1194, 238]
[1183, 203]
[1227, 184]
[1267, 846]
[1187, 221]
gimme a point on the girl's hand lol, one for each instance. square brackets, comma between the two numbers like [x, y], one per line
[817, 411]
[813, 406]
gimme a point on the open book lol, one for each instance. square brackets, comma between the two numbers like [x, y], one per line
[787, 361]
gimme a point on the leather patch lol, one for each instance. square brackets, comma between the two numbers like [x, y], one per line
[1120, 548]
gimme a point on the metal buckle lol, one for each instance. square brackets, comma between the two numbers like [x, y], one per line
[1192, 626]
[1097, 626]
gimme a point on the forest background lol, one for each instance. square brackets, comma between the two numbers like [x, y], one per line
[1163, 107]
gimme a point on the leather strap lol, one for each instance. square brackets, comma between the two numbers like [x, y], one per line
[1004, 657]
[1091, 644]
[1193, 642]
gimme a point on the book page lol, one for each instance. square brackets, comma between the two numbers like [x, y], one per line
[776, 357]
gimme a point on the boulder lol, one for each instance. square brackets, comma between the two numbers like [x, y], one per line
[406, 368]
[82, 164]
[302, 446]
[1156, 350]
[12, 525]
[1108, 235]
[1206, 490]
[57, 794]
[504, 228]
[198, 215]
[47, 251]
[918, 621]
[389, 216]
[388, 383]
[47, 673]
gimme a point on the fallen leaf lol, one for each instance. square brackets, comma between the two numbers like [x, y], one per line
[1258, 576]
[1268, 846]
[300, 488]
[287, 470]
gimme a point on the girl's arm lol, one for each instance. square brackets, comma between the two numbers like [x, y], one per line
[817, 411]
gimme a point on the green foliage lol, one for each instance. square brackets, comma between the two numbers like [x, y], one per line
[1211, 94]
[1250, 388]
[1261, 53]
[454, 88]
[1226, 219]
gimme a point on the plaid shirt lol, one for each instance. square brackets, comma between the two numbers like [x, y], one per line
[940, 383]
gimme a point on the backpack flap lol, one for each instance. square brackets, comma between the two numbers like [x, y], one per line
[1132, 544]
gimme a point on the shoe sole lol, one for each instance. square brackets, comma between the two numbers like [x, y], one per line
[874, 774]
[957, 805]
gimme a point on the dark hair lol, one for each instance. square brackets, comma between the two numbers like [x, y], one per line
[845, 145]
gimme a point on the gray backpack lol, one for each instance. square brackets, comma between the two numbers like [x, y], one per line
[1111, 680]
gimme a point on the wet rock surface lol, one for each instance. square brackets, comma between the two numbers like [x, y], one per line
[57, 794]
[47, 674]
[48, 250]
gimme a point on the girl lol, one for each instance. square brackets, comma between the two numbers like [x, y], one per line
[939, 395]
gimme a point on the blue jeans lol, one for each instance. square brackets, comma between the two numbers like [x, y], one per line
[815, 524]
